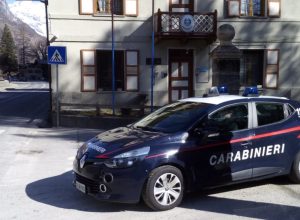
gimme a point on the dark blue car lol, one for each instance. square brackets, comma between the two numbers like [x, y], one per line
[191, 144]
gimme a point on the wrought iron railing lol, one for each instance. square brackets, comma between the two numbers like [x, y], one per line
[199, 25]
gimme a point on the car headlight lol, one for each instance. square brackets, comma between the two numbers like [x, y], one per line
[127, 159]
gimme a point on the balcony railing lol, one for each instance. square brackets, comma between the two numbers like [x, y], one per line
[198, 26]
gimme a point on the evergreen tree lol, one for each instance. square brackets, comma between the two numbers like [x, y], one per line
[8, 50]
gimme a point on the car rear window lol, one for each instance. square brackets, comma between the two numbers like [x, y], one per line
[269, 113]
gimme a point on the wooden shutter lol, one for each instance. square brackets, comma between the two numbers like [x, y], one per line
[272, 69]
[274, 8]
[132, 70]
[131, 7]
[88, 70]
[234, 8]
[86, 7]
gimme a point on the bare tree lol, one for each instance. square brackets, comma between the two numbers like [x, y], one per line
[39, 50]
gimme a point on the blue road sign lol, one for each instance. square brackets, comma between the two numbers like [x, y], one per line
[57, 55]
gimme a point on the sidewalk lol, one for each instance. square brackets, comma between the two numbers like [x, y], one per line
[4, 85]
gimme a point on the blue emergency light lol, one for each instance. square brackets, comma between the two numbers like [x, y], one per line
[250, 91]
[223, 89]
[216, 91]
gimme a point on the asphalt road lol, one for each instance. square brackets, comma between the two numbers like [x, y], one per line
[36, 175]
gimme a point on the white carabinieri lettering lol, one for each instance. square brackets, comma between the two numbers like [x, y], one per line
[246, 154]
[96, 147]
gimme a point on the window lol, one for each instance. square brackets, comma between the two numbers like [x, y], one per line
[96, 70]
[181, 5]
[121, 7]
[104, 70]
[268, 113]
[252, 67]
[175, 117]
[254, 8]
[231, 118]
[104, 6]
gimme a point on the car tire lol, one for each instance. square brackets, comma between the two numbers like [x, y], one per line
[164, 188]
[295, 171]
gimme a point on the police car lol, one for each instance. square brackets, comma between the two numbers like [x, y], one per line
[190, 144]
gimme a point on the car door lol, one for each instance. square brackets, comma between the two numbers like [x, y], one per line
[274, 138]
[222, 137]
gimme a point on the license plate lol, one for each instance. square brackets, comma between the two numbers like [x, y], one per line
[80, 187]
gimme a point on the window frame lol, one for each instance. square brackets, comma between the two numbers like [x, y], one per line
[266, 11]
[130, 74]
[268, 68]
[94, 9]
[255, 116]
[83, 74]
[190, 6]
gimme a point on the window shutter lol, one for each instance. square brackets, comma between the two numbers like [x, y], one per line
[272, 69]
[274, 8]
[132, 70]
[234, 8]
[88, 71]
[131, 7]
[86, 7]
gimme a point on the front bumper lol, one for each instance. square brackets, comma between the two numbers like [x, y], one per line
[121, 185]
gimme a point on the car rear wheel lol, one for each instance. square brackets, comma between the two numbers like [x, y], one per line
[295, 171]
[164, 188]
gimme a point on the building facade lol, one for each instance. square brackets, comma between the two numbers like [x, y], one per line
[266, 32]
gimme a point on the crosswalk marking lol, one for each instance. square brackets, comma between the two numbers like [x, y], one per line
[56, 57]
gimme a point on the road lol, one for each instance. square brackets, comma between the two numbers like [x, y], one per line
[36, 175]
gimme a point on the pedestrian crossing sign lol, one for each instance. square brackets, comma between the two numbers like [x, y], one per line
[57, 55]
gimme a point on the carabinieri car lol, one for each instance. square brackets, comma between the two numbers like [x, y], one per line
[190, 144]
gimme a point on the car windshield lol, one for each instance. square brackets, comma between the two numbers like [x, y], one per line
[175, 117]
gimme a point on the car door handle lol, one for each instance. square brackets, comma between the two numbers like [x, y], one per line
[246, 144]
[214, 135]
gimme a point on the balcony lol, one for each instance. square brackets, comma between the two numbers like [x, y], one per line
[185, 26]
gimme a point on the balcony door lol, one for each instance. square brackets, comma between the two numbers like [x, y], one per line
[180, 74]
[181, 6]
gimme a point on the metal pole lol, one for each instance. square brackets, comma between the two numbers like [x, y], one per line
[113, 56]
[57, 98]
[152, 57]
[48, 66]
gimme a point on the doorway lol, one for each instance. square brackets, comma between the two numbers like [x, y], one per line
[180, 74]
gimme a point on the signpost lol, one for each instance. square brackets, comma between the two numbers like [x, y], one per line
[57, 55]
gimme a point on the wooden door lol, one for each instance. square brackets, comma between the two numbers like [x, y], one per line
[180, 74]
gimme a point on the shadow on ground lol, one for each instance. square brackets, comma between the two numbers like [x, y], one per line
[58, 191]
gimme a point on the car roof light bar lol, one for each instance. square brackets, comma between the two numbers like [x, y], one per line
[251, 91]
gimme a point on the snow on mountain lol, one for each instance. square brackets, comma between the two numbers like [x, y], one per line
[31, 13]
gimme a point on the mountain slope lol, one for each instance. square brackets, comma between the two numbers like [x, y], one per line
[17, 26]
[31, 13]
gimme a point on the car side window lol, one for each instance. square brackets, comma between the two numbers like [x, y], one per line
[268, 113]
[230, 118]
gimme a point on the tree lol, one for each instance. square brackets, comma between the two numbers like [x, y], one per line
[39, 50]
[24, 44]
[8, 50]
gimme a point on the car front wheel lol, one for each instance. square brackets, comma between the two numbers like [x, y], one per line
[295, 171]
[164, 188]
